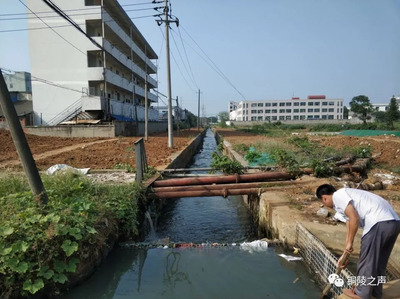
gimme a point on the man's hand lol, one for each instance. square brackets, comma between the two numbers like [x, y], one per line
[343, 260]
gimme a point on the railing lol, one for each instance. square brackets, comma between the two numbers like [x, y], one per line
[69, 112]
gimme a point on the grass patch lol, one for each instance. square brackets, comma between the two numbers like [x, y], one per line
[41, 245]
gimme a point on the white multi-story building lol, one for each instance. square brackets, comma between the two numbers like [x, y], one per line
[107, 82]
[385, 107]
[314, 107]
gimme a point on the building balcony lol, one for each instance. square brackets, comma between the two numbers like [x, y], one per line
[109, 21]
[121, 57]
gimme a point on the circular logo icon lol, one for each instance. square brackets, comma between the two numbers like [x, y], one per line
[332, 277]
[339, 282]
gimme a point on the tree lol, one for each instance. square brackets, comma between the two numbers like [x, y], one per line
[223, 117]
[393, 113]
[361, 107]
[345, 112]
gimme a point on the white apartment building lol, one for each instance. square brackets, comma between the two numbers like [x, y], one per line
[107, 83]
[314, 107]
[385, 107]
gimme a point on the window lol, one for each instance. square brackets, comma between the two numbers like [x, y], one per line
[281, 104]
[311, 104]
[288, 104]
[274, 104]
[296, 104]
[331, 103]
[281, 117]
[274, 111]
[330, 116]
[331, 110]
[309, 117]
[302, 110]
[274, 118]
[267, 104]
[324, 110]
[324, 116]
[254, 105]
[253, 111]
[302, 117]
[288, 110]
[267, 118]
[260, 105]
[288, 117]
[310, 110]
[260, 111]
[316, 103]
[260, 118]
[281, 110]
[253, 118]
[324, 103]
[296, 117]
[316, 116]
[316, 110]
[268, 111]
[302, 103]
[296, 110]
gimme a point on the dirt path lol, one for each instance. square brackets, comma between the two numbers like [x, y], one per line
[55, 152]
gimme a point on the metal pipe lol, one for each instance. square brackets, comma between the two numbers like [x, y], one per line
[266, 185]
[206, 193]
[225, 179]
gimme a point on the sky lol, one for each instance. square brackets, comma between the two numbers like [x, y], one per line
[257, 49]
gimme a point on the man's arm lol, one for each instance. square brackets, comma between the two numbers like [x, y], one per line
[352, 227]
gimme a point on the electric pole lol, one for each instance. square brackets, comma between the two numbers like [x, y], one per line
[167, 21]
[21, 144]
[198, 112]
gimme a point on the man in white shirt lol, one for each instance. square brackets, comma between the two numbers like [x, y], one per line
[381, 226]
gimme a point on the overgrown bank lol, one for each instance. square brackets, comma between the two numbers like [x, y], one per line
[46, 248]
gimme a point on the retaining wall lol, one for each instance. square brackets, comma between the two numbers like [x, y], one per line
[117, 128]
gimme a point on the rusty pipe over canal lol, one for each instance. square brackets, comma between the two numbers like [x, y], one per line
[224, 179]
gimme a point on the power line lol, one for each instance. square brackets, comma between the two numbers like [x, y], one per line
[66, 17]
[179, 69]
[60, 26]
[68, 10]
[42, 80]
[215, 67]
[183, 62]
[77, 14]
[53, 29]
[184, 48]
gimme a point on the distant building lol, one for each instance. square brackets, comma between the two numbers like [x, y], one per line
[314, 107]
[107, 83]
[20, 89]
[384, 107]
[177, 113]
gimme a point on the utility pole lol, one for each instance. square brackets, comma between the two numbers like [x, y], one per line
[21, 144]
[146, 105]
[198, 112]
[178, 115]
[167, 22]
[146, 111]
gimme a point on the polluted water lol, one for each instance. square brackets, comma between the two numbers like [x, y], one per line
[212, 260]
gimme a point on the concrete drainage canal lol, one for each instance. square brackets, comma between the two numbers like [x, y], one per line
[216, 256]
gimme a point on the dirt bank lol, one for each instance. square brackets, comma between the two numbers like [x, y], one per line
[94, 153]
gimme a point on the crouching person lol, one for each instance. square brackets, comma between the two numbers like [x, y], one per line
[381, 226]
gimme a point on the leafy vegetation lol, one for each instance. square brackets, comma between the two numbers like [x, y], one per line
[224, 164]
[41, 245]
